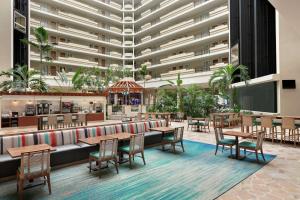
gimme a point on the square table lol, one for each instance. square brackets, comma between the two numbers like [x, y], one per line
[17, 151]
[237, 134]
[97, 139]
[163, 129]
[198, 119]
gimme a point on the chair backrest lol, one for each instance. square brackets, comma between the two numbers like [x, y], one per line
[139, 116]
[35, 164]
[219, 134]
[146, 116]
[81, 118]
[247, 120]
[52, 120]
[260, 139]
[108, 149]
[288, 123]
[153, 116]
[178, 133]
[68, 118]
[189, 119]
[267, 121]
[136, 143]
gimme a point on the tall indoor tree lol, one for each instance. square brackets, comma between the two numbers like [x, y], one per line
[42, 44]
[178, 84]
[143, 72]
[21, 79]
[222, 79]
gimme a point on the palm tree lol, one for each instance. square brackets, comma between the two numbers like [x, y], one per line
[42, 44]
[20, 78]
[223, 78]
[178, 84]
[143, 71]
[87, 80]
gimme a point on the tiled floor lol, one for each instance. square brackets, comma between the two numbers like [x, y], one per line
[280, 179]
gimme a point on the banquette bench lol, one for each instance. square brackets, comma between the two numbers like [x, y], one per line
[68, 148]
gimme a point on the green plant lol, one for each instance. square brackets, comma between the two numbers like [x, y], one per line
[41, 44]
[178, 85]
[222, 79]
[143, 72]
[87, 80]
[166, 101]
[22, 79]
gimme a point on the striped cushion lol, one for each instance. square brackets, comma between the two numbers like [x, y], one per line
[130, 128]
[16, 141]
[80, 133]
[140, 127]
[110, 130]
[53, 138]
[118, 128]
[95, 131]
[163, 123]
[154, 124]
[147, 126]
[69, 137]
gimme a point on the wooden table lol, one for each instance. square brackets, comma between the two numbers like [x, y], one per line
[163, 130]
[237, 134]
[198, 119]
[97, 139]
[17, 151]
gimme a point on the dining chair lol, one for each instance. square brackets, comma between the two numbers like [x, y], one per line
[190, 122]
[173, 139]
[136, 146]
[81, 119]
[68, 121]
[60, 121]
[230, 121]
[52, 122]
[288, 124]
[146, 116]
[33, 165]
[268, 124]
[205, 125]
[254, 146]
[221, 141]
[247, 122]
[108, 151]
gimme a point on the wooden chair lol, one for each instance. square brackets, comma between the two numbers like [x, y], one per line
[60, 121]
[52, 121]
[33, 165]
[177, 137]
[230, 121]
[191, 123]
[153, 116]
[288, 124]
[108, 151]
[258, 146]
[68, 121]
[45, 122]
[236, 118]
[136, 146]
[247, 122]
[267, 124]
[221, 141]
[146, 116]
[81, 119]
[204, 125]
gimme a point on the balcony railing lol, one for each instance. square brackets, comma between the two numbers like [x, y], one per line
[218, 29]
[175, 72]
[77, 46]
[217, 66]
[218, 47]
[177, 26]
[81, 19]
[218, 10]
[178, 57]
[179, 10]
[82, 6]
[177, 42]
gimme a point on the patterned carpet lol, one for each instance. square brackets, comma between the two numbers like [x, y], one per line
[195, 174]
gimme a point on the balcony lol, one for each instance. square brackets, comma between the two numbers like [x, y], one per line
[218, 10]
[177, 42]
[77, 61]
[147, 12]
[145, 26]
[147, 38]
[77, 46]
[115, 29]
[115, 17]
[128, 19]
[35, 5]
[218, 47]
[82, 6]
[128, 55]
[128, 43]
[218, 29]
[178, 57]
[146, 51]
[177, 26]
[176, 72]
[147, 63]
[115, 54]
[128, 7]
[179, 10]
[77, 32]
[217, 66]
[127, 31]
[114, 41]
[115, 5]
[76, 17]
[166, 2]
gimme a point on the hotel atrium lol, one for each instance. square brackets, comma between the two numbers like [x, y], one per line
[149, 99]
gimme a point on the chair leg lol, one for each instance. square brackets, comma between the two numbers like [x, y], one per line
[262, 154]
[90, 162]
[130, 164]
[217, 146]
[116, 165]
[256, 156]
[49, 183]
[99, 164]
[231, 150]
[222, 148]
[182, 145]
[143, 157]
[21, 188]
[245, 152]
[173, 145]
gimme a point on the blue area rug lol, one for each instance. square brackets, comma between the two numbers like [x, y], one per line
[195, 174]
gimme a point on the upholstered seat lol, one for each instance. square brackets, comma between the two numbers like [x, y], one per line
[96, 154]
[66, 147]
[150, 133]
[5, 158]
[168, 138]
[247, 144]
[227, 141]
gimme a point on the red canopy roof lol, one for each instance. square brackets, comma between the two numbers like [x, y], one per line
[125, 85]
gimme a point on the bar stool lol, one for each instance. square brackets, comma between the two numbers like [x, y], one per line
[60, 121]
[52, 121]
[81, 119]
[267, 123]
[68, 122]
[247, 121]
[288, 123]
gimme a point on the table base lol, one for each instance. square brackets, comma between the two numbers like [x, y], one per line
[237, 158]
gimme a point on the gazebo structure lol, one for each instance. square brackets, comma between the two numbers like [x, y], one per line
[124, 96]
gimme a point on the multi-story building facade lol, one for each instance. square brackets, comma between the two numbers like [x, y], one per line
[188, 37]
